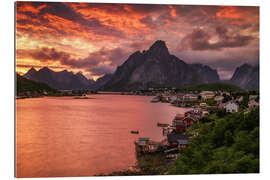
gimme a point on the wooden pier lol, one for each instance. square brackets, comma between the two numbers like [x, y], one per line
[145, 145]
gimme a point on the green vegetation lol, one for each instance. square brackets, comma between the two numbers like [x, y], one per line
[147, 164]
[152, 164]
[244, 104]
[226, 143]
[26, 85]
[212, 87]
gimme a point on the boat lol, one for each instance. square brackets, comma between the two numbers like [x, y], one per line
[81, 97]
[155, 100]
[134, 132]
[162, 124]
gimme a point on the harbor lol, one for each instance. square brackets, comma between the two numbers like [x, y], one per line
[175, 137]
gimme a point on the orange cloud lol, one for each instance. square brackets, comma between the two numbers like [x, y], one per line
[126, 20]
[173, 11]
[27, 7]
[229, 12]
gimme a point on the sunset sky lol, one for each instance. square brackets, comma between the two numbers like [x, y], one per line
[96, 38]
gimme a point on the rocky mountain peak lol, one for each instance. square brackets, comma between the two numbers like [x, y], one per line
[156, 67]
[80, 75]
[45, 69]
[30, 72]
[159, 48]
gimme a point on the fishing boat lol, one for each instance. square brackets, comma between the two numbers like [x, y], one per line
[81, 97]
[134, 132]
[162, 125]
[155, 99]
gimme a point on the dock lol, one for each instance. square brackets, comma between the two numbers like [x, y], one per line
[145, 146]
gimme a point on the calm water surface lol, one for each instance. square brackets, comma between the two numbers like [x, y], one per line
[63, 136]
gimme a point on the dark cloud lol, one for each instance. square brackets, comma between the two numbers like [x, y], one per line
[47, 54]
[64, 11]
[199, 40]
[101, 70]
[148, 8]
[99, 62]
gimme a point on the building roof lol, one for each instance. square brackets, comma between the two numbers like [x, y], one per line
[180, 123]
[206, 92]
[143, 139]
[231, 102]
[253, 102]
[182, 141]
[179, 116]
[219, 97]
[175, 137]
[193, 117]
[194, 112]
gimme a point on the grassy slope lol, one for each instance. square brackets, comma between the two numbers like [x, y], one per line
[24, 85]
[225, 144]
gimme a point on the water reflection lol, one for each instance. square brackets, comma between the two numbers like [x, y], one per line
[63, 136]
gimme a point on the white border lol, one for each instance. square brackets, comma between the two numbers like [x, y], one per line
[7, 87]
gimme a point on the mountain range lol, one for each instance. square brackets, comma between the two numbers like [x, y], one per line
[154, 67]
[60, 80]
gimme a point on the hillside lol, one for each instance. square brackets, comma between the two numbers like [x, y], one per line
[213, 87]
[24, 85]
[226, 143]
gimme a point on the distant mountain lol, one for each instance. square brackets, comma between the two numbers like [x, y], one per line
[247, 77]
[84, 80]
[213, 87]
[30, 73]
[157, 67]
[60, 80]
[25, 85]
[100, 82]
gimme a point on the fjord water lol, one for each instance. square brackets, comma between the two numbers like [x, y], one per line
[63, 136]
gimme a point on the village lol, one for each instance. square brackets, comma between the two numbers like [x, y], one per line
[204, 103]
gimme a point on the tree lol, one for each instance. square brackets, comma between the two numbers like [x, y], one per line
[227, 144]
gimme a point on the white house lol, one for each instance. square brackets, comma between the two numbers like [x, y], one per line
[231, 107]
[252, 97]
[253, 104]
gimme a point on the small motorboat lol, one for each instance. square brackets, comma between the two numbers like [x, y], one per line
[162, 125]
[81, 97]
[134, 132]
[155, 100]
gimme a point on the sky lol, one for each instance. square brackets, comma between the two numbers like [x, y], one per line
[95, 38]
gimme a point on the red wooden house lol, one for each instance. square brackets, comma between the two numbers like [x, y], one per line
[179, 140]
[180, 126]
